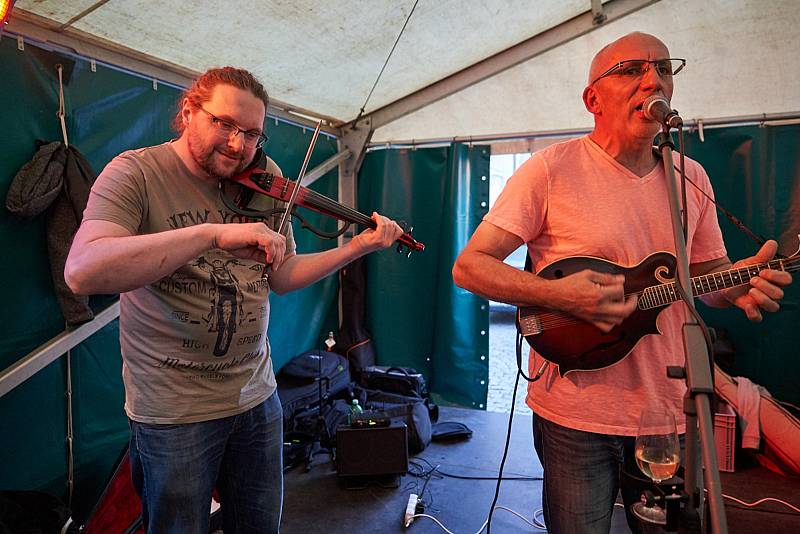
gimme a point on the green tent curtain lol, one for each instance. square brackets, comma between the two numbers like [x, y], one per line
[755, 172]
[107, 112]
[417, 316]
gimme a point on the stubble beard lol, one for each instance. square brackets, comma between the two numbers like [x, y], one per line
[207, 157]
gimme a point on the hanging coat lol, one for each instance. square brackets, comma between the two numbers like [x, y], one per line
[56, 181]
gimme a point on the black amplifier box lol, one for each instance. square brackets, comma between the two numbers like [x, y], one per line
[372, 451]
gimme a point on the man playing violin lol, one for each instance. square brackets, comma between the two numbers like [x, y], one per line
[199, 384]
[604, 195]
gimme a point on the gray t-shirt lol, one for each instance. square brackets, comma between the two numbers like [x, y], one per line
[194, 343]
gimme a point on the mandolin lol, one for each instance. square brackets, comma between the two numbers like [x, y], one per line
[575, 345]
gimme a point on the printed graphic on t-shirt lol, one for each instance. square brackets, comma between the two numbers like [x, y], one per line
[192, 217]
[225, 307]
[218, 304]
[218, 315]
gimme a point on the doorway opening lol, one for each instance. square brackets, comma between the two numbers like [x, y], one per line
[502, 329]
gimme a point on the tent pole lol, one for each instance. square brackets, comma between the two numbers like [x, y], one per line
[353, 139]
[538, 44]
[70, 434]
[45, 354]
[762, 119]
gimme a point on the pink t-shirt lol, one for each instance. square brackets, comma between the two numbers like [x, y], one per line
[573, 199]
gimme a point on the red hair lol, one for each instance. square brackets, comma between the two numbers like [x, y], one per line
[203, 86]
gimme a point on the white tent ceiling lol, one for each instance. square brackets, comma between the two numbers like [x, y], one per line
[741, 57]
[323, 57]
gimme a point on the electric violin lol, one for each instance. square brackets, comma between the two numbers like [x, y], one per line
[256, 178]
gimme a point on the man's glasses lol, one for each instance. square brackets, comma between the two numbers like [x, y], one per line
[636, 68]
[226, 129]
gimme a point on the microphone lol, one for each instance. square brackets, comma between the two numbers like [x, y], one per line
[657, 108]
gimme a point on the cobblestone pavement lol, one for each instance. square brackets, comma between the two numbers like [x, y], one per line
[503, 362]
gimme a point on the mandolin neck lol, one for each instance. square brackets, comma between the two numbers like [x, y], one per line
[664, 294]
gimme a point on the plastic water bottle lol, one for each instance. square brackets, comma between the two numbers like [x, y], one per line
[355, 411]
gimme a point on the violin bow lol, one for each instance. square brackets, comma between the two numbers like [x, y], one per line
[290, 205]
[295, 190]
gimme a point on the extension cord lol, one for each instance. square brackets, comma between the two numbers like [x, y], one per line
[411, 509]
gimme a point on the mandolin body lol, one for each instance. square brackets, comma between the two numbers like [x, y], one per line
[576, 345]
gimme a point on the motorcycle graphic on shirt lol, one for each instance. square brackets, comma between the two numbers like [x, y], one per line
[226, 302]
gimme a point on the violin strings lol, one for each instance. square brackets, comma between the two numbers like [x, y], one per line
[329, 206]
[321, 201]
[359, 217]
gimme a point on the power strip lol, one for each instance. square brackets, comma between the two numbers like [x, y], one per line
[411, 510]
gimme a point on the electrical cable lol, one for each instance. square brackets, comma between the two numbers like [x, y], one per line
[684, 211]
[505, 454]
[424, 503]
[539, 524]
[760, 501]
[427, 475]
[520, 478]
[424, 486]
[542, 368]
[747, 505]
[747, 509]
[421, 504]
[468, 477]
[757, 239]
[751, 505]
[534, 523]
[499, 478]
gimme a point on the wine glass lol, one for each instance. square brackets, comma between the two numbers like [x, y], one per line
[657, 455]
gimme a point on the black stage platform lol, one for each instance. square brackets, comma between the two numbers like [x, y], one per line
[316, 502]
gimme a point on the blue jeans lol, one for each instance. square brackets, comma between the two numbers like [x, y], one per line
[583, 472]
[175, 468]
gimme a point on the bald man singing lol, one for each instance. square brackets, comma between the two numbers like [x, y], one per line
[604, 195]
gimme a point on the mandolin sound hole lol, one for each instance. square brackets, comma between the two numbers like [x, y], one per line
[558, 273]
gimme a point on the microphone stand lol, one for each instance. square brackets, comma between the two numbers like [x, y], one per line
[697, 373]
[321, 436]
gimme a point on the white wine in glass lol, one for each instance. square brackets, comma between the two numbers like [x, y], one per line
[656, 461]
[657, 455]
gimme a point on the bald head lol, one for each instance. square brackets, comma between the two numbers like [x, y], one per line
[621, 49]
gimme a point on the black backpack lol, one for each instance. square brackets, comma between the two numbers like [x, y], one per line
[400, 380]
[297, 381]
